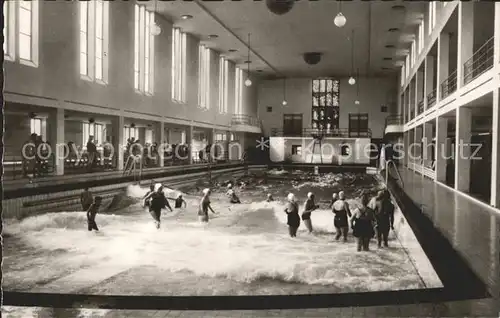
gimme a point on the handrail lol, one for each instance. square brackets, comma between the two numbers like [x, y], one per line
[387, 164]
[309, 132]
[431, 99]
[243, 119]
[449, 85]
[393, 120]
[479, 62]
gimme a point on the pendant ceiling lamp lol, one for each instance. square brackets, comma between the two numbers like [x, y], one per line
[248, 81]
[284, 92]
[352, 80]
[340, 20]
[357, 102]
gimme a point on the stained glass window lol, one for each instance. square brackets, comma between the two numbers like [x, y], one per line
[325, 103]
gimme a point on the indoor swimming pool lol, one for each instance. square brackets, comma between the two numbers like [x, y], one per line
[244, 249]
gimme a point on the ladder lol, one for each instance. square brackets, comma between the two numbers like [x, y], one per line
[318, 141]
[133, 167]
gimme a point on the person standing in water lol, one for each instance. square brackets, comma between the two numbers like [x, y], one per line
[92, 212]
[269, 197]
[362, 224]
[384, 216]
[334, 199]
[293, 218]
[340, 221]
[86, 199]
[205, 206]
[146, 203]
[179, 201]
[309, 206]
[233, 198]
[158, 201]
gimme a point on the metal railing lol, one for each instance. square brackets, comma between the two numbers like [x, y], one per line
[387, 166]
[393, 120]
[449, 85]
[480, 62]
[431, 99]
[308, 132]
[239, 119]
[421, 106]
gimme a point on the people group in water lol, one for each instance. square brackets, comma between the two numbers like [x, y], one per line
[374, 217]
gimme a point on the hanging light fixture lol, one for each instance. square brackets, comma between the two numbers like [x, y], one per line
[155, 28]
[357, 88]
[248, 82]
[340, 20]
[352, 80]
[284, 92]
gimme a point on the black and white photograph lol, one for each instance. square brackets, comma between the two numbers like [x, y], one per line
[250, 158]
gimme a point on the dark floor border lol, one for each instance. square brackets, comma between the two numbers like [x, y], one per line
[458, 279]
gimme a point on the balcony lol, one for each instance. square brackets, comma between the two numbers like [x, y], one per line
[431, 99]
[246, 123]
[421, 106]
[310, 132]
[480, 62]
[449, 85]
[393, 124]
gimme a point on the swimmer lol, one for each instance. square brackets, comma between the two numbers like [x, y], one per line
[158, 201]
[341, 211]
[86, 199]
[145, 203]
[269, 197]
[293, 218]
[205, 206]
[309, 206]
[233, 198]
[179, 201]
[92, 212]
[334, 199]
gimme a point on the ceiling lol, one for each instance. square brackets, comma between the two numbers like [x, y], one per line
[278, 42]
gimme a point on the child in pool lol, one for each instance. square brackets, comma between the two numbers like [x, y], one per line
[269, 197]
[233, 198]
[92, 212]
[179, 201]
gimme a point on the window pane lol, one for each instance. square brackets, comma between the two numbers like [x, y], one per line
[83, 64]
[136, 79]
[6, 25]
[335, 86]
[98, 48]
[315, 101]
[98, 68]
[335, 100]
[24, 47]
[329, 85]
[315, 86]
[83, 15]
[329, 99]
[83, 42]
[25, 5]
[322, 100]
[322, 86]
[25, 21]
[98, 19]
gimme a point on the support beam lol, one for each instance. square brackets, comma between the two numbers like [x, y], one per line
[495, 151]
[418, 144]
[189, 142]
[462, 149]
[417, 89]
[441, 148]
[429, 79]
[427, 143]
[465, 38]
[160, 140]
[57, 140]
[442, 62]
[118, 142]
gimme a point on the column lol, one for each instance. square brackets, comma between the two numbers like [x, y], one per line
[415, 94]
[429, 78]
[426, 144]
[495, 151]
[462, 149]
[57, 140]
[421, 87]
[189, 142]
[399, 105]
[118, 125]
[496, 50]
[227, 150]
[442, 62]
[418, 145]
[160, 140]
[406, 144]
[169, 136]
[465, 38]
[441, 152]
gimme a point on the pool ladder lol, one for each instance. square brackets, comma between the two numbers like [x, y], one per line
[387, 166]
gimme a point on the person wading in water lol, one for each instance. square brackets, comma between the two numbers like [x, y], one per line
[293, 218]
[205, 206]
[341, 211]
[309, 206]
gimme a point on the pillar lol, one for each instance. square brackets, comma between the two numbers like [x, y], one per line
[465, 38]
[57, 140]
[169, 136]
[160, 140]
[415, 94]
[420, 87]
[462, 149]
[189, 142]
[118, 142]
[495, 151]
[406, 139]
[426, 144]
[400, 111]
[496, 50]
[429, 78]
[227, 152]
[418, 144]
[441, 153]
[442, 62]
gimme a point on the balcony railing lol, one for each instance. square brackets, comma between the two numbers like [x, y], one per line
[311, 132]
[393, 120]
[480, 62]
[421, 106]
[449, 85]
[431, 99]
[245, 120]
